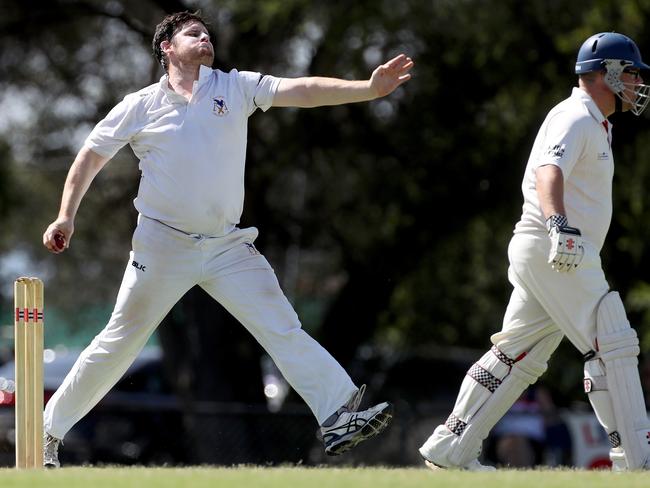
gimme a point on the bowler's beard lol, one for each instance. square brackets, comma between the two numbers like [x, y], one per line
[207, 59]
[197, 56]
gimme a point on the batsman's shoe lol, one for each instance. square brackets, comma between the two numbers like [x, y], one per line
[617, 456]
[350, 428]
[51, 451]
[474, 465]
[434, 452]
[619, 462]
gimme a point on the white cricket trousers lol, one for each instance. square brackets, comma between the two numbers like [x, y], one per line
[544, 301]
[544, 305]
[163, 265]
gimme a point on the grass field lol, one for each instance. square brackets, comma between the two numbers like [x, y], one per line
[292, 477]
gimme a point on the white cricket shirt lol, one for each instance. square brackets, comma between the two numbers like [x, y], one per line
[574, 138]
[192, 154]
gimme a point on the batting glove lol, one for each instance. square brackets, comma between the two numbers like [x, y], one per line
[567, 249]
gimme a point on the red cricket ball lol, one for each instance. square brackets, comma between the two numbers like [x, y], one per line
[59, 241]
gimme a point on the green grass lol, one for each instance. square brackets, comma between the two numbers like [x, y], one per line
[292, 477]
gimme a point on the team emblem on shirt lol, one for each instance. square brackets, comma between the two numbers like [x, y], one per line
[556, 151]
[219, 106]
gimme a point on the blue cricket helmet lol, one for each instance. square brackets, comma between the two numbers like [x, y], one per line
[614, 54]
[608, 45]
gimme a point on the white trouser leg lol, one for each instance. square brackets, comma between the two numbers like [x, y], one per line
[569, 300]
[590, 316]
[490, 388]
[544, 305]
[245, 284]
[145, 297]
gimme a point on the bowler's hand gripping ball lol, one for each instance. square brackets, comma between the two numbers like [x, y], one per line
[59, 241]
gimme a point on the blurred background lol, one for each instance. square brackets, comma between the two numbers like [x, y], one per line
[386, 222]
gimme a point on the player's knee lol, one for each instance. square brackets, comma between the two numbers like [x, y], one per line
[610, 315]
[620, 345]
[530, 365]
[534, 364]
[529, 369]
[616, 339]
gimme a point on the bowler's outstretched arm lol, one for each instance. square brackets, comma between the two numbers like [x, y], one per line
[316, 91]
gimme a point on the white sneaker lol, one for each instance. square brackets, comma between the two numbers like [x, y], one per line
[474, 465]
[436, 448]
[619, 461]
[355, 400]
[617, 456]
[350, 428]
[51, 451]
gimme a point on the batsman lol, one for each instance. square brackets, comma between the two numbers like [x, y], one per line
[555, 269]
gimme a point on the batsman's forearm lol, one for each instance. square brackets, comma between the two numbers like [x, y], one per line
[550, 190]
[81, 174]
[316, 91]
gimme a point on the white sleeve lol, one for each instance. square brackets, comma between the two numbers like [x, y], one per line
[116, 129]
[563, 143]
[259, 89]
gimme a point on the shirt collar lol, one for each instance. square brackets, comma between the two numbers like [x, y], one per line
[588, 102]
[204, 74]
[172, 96]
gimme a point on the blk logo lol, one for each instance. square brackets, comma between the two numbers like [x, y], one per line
[139, 266]
[251, 248]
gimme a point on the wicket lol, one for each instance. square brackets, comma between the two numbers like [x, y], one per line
[28, 340]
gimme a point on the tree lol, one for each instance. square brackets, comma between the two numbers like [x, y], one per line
[395, 230]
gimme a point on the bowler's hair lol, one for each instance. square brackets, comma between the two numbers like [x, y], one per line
[169, 26]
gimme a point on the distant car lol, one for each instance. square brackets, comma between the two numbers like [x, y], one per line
[134, 423]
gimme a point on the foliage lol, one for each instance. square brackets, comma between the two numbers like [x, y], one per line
[393, 216]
